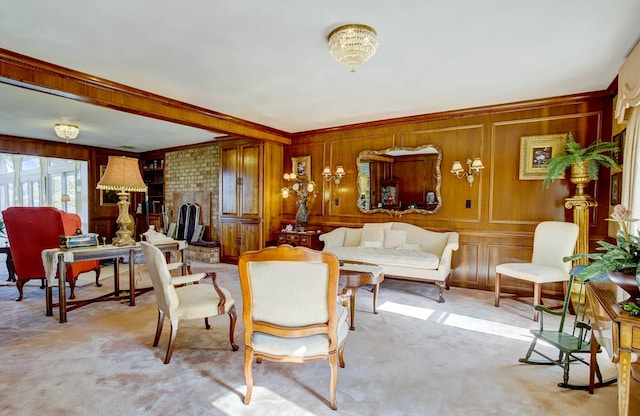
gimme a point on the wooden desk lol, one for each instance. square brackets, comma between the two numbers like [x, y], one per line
[617, 331]
[64, 257]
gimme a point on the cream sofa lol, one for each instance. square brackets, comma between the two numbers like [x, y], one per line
[403, 250]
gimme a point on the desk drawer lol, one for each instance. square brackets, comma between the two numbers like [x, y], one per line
[293, 239]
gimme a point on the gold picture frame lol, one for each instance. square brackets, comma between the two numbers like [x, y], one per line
[535, 151]
[107, 197]
[301, 166]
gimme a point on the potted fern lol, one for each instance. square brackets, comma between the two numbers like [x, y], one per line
[584, 162]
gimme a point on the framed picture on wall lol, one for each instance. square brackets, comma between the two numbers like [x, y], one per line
[107, 197]
[535, 151]
[616, 186]
[301, 166]
[619, 140]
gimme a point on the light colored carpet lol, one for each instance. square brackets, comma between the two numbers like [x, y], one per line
[416, 357]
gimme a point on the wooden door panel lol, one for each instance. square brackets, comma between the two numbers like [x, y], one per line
[229, 175]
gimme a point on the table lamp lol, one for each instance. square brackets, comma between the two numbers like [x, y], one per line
[122, 175]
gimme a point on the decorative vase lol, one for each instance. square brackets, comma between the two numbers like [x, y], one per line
[580, 177]
[302, 216]
[627, 282]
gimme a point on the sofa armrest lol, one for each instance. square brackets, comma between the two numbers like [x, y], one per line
[334, 238]
[447, 253]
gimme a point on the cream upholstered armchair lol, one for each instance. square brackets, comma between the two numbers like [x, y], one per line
[291, 310]
[552, 241]
[177, 299]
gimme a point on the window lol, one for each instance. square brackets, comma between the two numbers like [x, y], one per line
[41, 181]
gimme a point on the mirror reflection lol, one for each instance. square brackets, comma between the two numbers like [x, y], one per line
[400, 180]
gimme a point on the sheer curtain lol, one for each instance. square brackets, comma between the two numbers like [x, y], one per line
[628, 110]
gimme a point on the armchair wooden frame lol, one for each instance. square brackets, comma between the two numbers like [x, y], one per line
[331, 329]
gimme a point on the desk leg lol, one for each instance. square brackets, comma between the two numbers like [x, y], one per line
[624, 378]
[62, 293]
[132, 277]
[116, 276]
[48, 298]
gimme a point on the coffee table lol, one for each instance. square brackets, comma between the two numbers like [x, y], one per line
[356, 274]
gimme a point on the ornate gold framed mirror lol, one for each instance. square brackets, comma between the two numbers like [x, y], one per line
[400, 180]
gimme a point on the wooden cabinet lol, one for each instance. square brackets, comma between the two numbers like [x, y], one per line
[309, 239]
[250, 205]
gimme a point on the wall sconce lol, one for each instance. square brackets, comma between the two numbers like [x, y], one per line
[474, 169]
[337, 177]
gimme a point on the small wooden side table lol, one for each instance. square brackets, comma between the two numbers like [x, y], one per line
[354, 275]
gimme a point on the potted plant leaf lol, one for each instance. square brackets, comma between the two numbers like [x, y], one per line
[584, 162]
[619, 261]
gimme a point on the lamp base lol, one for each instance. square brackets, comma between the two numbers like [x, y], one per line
[123, 235]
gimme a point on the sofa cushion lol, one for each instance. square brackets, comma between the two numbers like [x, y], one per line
[371, 244]
[373, 232]
[407, 246]
[352, 237]
[394, 238]
[388, 256]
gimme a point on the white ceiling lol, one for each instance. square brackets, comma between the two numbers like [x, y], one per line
[267, 61]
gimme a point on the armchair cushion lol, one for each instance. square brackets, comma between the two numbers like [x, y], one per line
[304, 346]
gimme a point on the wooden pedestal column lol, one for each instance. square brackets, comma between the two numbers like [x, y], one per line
[580, 205]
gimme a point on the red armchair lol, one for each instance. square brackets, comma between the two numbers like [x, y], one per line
[33, 229]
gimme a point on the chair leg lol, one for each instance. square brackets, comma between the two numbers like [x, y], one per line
[72, 287]
[248, 373]
[232, 326]
[206, 323]
[537, 299]
[497, 287]
[172, 340]
[98, 270]
[333, 362]
[20, 285]
[341, 356]
[158, 327]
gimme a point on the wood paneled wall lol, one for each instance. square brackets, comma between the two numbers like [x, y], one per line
[498, 226]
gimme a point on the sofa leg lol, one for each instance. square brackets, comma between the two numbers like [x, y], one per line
[442, 286]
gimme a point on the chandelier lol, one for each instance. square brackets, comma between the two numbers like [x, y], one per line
[353, 44]
[66, 131]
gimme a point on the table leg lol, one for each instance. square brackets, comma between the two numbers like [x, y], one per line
[352, 307]
[132, 277]
[116, 276]
[62, 293]
[376, 288]
[624, 378]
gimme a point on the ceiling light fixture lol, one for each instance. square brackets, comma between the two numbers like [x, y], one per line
[353, 44]
[66, 131]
